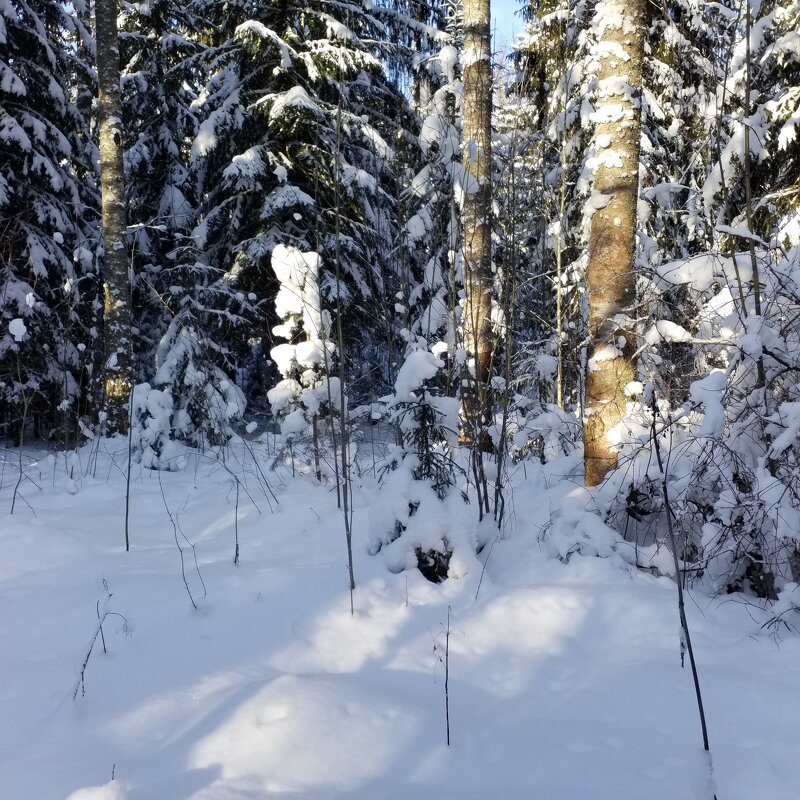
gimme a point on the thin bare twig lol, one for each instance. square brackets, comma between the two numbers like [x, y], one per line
[686, 639]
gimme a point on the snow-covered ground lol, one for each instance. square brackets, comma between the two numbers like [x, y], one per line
[565, 679]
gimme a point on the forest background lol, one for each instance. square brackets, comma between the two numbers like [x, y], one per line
[320, 214]
[347, 246]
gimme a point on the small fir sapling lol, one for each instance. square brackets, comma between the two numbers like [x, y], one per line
[207, 404]
[151, 443]
[427, 421]
[428, 424]
[305, 394]
[192, 401]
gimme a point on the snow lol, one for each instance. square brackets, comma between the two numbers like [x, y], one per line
[596, 201]
[610, 112]
[206, 140]
[666, 331]
[285, 196]
[245, 168]
[175, 206]
[633, 388]
[708, 392]
[472, 53]
[741, 232]
[9, 80]
[608, 352]
[261, 31]
[10, 131]
[614, 15]
[17, 329]
[788, 132]
[294, 423]
[418, 367]
[299, 293]
[114, 790]
[564, 682]
[295, 98]
[283, 394]
[448, 58]
[283, 355]
[416, 227]
[312, 353]
[788, 419]
[701, 271]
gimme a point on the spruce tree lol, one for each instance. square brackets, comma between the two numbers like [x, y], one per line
[46, 238]
[162, 74]
[267, 159]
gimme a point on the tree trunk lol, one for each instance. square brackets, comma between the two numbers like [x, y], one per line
[477, 207]
[116, 281]
[612, 240]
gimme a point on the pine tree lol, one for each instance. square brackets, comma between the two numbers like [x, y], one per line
[117, 382]
[620, 25]
[477, 211]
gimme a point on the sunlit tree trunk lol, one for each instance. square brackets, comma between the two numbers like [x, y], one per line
[620, 25]
[477, 206]
[116, 282]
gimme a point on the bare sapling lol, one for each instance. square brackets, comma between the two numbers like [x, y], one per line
[128, 476]
[176, 531]
[236, 527]
[441, 648]
[686, 639]
[346, 481]
[80, 686]
[266, 488]
[22, 424]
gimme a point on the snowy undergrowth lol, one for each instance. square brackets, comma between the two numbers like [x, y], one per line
[565, 679]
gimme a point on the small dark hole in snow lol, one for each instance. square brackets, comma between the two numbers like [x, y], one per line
[434, 564]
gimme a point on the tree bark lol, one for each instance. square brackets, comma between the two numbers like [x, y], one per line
[117, 380]
[477, 206]
[612, 240]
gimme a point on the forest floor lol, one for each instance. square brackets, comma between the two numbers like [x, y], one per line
[564, 681]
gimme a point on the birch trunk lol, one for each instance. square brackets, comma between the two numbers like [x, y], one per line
[116, 280]
[612, 241]
[476, 213]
